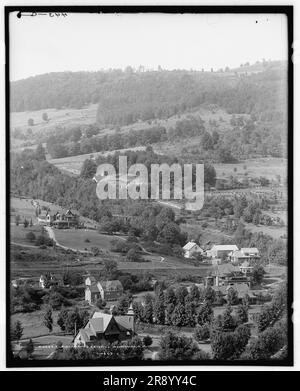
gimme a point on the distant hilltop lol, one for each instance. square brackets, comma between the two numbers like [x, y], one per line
[159, 92]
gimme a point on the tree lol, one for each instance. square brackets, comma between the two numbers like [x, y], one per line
[16, 331]
[30, 236]
[110, 270]
[272, 312]
[101, 303]
[159, 307]
[29, 347]
[75, 319]
[88, 169]
[95, 251]
[257, 274]
[205, 314]
[169, 313]
[267, 343]
[17, 219]
[48, 320]
[177, 347]
[242, 314]
[229, 345]
[122, 305]
[40, 152]
[227, 319]
[170, 297]
[232, 296]
[179, 315]
[147, 340]
[202, 332]
[207, 141]
[45, 117]
[209, 295]
[194, 293]
[190, 311]
[61, 319]
[181, 293]
[148, 309]
[133, 255]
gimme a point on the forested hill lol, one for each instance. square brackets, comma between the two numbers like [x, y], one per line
[129, 96]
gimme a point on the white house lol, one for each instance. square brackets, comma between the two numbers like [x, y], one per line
[244, 254]
[191, 249]
[221, 250]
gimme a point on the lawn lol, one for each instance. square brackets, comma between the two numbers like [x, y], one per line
[265, 167]
[18, 233]
[32, 323]
[76, 239]
[274, 231]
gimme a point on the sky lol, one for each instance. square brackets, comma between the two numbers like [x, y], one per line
[90, 42]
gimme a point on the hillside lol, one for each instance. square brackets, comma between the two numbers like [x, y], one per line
[222, 116]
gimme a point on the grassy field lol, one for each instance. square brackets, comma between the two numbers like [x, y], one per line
[32, 323]
[57, 118]
[18, 233]
[76, 238]
[274, 231]
[266, 167]
[73, 164]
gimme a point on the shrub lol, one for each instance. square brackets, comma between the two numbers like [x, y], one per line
[147, 340]
[202, 332]
[30, 236]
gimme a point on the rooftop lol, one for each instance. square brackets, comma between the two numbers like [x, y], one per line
[111, 285]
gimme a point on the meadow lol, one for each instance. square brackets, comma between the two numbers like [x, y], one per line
[261, 167]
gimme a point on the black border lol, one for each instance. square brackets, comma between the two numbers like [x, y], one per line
[288, 11]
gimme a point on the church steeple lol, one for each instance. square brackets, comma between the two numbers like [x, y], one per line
[130, 310]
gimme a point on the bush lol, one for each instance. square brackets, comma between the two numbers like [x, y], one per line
[95, 251]
[101, 304]
[202, 332]
[147, 340]
[133, 256]
[30, 236]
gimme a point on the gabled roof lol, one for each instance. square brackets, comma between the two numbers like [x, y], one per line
[92, 278]
[100, 321]
[224, 247]
[124, 322]
[93, 288]
[111, 285]
[190, 245]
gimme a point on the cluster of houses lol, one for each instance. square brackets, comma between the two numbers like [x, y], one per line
[219, 253]
[106, 290]
[58, 219]
[232, 268]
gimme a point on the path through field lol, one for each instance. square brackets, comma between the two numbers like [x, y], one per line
[52, 236]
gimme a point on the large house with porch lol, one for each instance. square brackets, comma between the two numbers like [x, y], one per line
[103, 328]
[59, 219]
[227, 274]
